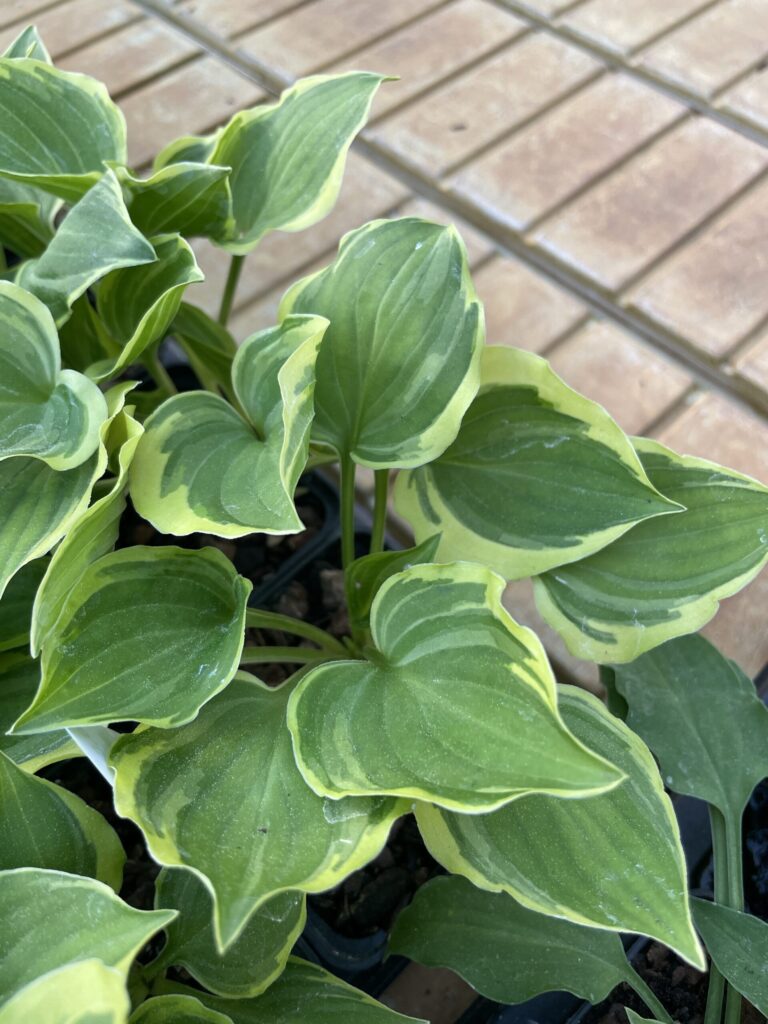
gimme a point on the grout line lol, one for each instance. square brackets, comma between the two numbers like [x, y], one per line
[20, 23]
[668, 416]
[743, 344]
[106, 34]
[156, 76]
[560, 339]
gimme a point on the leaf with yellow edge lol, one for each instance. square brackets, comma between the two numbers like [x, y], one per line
[84, 992]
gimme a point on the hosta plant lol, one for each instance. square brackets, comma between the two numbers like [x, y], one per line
[432, 701]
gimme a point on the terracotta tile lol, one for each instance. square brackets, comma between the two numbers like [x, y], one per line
[629, 220]
[633, 381]
[437, 45]
[434, 993]
[749, 99]
[366, 193]
[541, 166]
[162, 111]
[316, 34]
[523, 308]
[229, 17]
[752, 363]
[132, 55]
[713, 292]
[72, 24]
[709, 52]
[450, 124]
[478, 245]
[624, 25]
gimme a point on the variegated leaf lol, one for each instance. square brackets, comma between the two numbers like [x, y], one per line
[28, 43]
[188, 198]
[84, 992]
[201, 466]
[179, 1008]
[223, 797]
[611, 861]
[667, 576]
[413, 719]
[19, 680]
[26, 218]
[399, 363]
[538, 475]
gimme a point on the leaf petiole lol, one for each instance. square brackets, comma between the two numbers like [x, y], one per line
[258, 619]
[285, 655]
[642, 989]
[380, 494]
[230, 287]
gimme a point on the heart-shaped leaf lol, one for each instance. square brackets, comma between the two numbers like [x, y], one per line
[28, 43]
[413, 719]
[201, 466]
[365, 576]
[304, 992]
[45, 412]
[175, 621]
[400, 361]
[16, 605]
[93, 535]
[738, 945]
[51, 919]
[188, 198]
[554, 856]
[666, 577]
[223, 796]
[287, 158]
[19, 680]
[26, 218]
[85, 992]
[176, 1009]
[45, 826]
[480, 935]
[138, 303]
[702, 718]
[538, 475]
[252, 963]
[57, 129]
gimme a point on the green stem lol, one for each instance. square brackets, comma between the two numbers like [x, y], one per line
[642, 989]
[735, 896]
[230, 287]
[347, 512]
[287, 655]
[258, 619]
[380, 495]
[714, 1009]
[613, 699]
[158, 372]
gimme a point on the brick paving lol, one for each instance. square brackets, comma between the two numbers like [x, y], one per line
[606, 161]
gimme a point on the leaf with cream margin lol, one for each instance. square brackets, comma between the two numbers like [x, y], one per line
[666, 577]
[610, 861]
[202, 466]
[400, 361]
[455, 703]
[538, 475]
[57, 128]
[223, 797]
[28, 43]
[45, 826]
[175, 620]
[51, 919]
[251, 963]
[95, 237]
[192, 199]
[93, 535]
[84, 992]
[46, 413]
[176, 1009]
[288, 158]
[19, 680]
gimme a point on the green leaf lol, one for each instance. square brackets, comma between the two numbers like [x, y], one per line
[188, 198]
[28, 43]
[504, 951]
[635, 1018]
[412, 720]
[44, 826]
[57, 129]
[304, 992]
[51, 919]
[45, 412]
[95, 238]
[85, 992]
[93, 535]
[147, 634]
[209, 346]
[19, 680]
[195, 149]
[400, 362]
[84, 339]
[252, 963]
[138, 303]
[176, 1009]
[202, 467]
[26, 218]
[666, 577]
[365, 576]
[612, 861]
[287, 158]
[538, 475]
[223, 797]
[16, 605]
[738, 944]
[702, 718]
